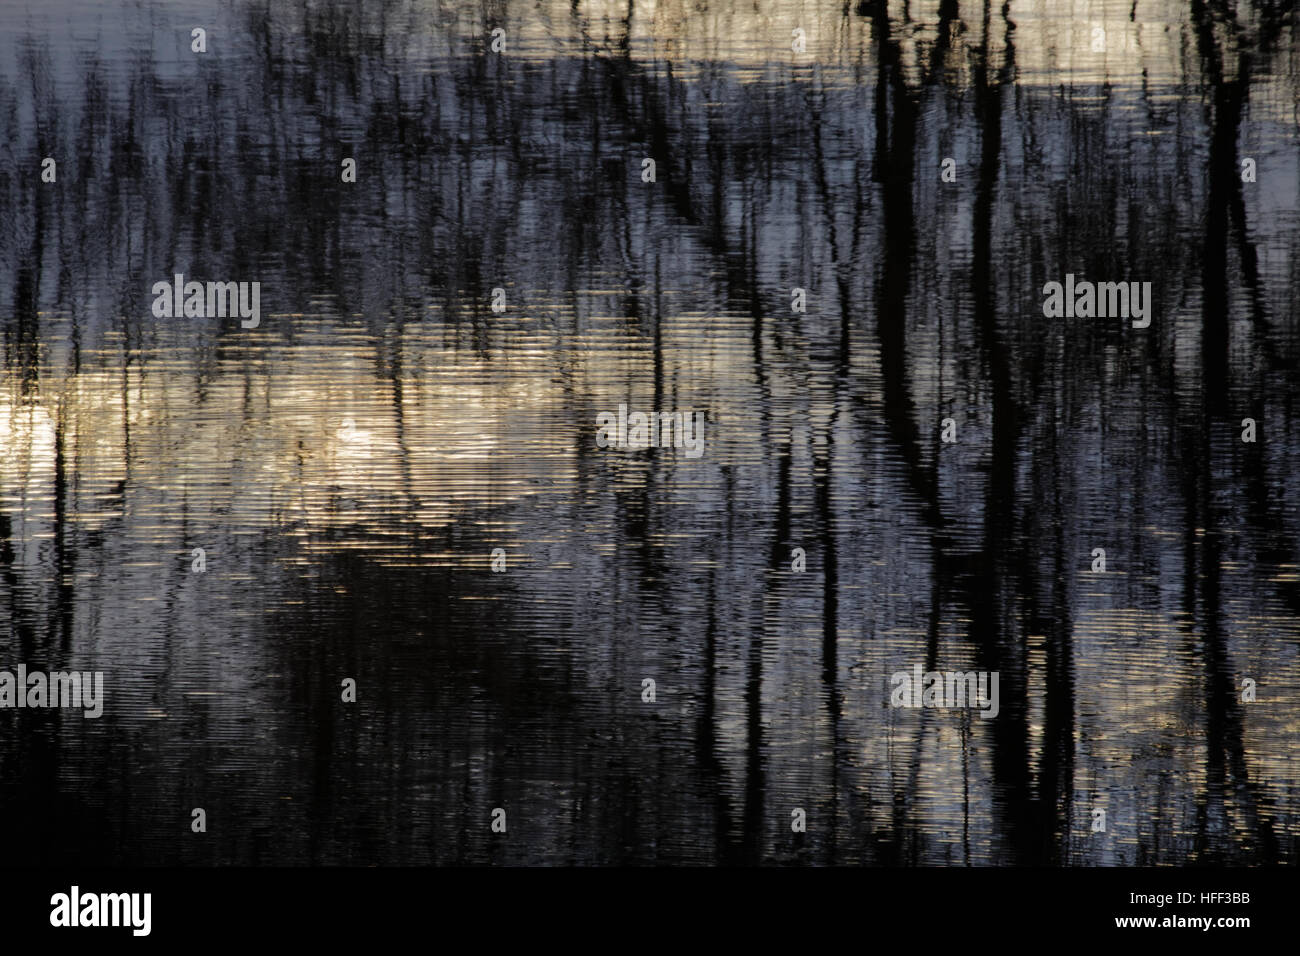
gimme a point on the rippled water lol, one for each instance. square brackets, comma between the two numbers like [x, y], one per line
[349, 465]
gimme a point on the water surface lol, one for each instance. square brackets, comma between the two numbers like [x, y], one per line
[349, 466]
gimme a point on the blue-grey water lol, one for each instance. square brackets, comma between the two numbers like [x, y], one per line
[349, 465]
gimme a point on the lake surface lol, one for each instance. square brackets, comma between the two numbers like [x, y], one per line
[349, 466]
